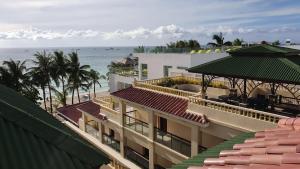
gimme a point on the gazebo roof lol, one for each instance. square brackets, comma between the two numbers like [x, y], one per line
[265, 50]
[264, 62]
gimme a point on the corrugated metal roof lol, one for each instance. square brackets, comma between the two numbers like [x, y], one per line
[271, 69]
[32, 138]
[265, 50]
[162, 102]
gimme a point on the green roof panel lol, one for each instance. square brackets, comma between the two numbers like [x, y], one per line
[32, 138]
[212, 152]
[268, 69]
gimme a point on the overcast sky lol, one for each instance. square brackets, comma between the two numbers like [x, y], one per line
[40, 23]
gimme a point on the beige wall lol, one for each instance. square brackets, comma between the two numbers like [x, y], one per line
[162, 161]
[179, 130]
[210, 140]
[138, 148]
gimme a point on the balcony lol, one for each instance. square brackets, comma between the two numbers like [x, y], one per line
[111, 142]
[136, 125]
[137, 158]
[172, 141]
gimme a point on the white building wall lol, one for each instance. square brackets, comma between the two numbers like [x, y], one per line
[156, 61]
[117, 82]
[198, 59]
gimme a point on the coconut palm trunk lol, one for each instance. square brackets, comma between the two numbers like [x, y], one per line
[50, 97]
[63, 88]
[78, 95]
[73, 91]
[94, 90]
[44, 97]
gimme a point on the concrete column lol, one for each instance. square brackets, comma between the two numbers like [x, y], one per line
[122, 107]
[101, 130]
[194, 140]
[151, 125]
[151, 156]
[82, 122]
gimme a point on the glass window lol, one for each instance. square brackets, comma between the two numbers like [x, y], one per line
[166, 70]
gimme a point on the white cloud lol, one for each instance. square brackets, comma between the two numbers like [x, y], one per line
[176, 32]
[35, 33]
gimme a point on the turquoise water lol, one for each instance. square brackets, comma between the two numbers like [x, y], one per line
[97, 57]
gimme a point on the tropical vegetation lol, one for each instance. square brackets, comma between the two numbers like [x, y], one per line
[54, 74]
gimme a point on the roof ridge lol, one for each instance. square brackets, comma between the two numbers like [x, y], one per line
[290, 64]
[63, 137]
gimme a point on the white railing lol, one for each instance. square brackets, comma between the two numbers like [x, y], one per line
[255, 114]
[164, 89]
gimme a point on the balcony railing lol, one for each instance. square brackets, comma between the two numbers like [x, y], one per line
[136, 125]
[136, 157]
[251, 113]
[92, 131]
[165, 89]
[172, 141]
[111, 142]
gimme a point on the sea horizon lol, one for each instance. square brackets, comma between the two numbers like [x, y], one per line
[97, 57]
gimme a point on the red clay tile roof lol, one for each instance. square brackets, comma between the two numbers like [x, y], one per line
[165, 103]
[72, 112]
[277, 148]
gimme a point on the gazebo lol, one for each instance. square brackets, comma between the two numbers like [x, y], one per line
[246, 69]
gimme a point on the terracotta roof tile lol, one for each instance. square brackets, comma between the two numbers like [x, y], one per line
[277, 148]
[73, 112]
[162, 102]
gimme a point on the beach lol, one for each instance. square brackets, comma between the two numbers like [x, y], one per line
[83, 98]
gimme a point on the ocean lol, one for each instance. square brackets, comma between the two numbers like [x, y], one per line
[97, 57]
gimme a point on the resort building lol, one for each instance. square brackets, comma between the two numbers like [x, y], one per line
[157, 65]
[161, 122]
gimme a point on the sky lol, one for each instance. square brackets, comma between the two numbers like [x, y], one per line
[62, 23]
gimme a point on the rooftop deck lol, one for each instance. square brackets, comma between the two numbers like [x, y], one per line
[220, 88]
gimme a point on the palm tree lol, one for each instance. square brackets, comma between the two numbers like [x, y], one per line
[14, 74]
[95, 77]
[44, 72]
[60, 69]
[219, 41]
[61, 97]
[238, 42]
[78, 76]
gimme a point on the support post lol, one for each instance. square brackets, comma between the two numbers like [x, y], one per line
[233, 83]
[151, 137]
[245, 91]
[151, 156]
[203, 90]
[101, 130]
[122, 106]
[194, 140]
[82, 122]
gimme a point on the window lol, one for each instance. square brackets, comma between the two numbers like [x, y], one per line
[144, 71]
[182, 67]
[166, 70]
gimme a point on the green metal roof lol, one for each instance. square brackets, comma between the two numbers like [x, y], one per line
[284, 69]
[213, 152]
[264, 50]
[32, 138]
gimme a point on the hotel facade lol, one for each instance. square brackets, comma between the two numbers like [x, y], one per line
[151, 125]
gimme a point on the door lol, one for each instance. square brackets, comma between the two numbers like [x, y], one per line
[163, 124]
